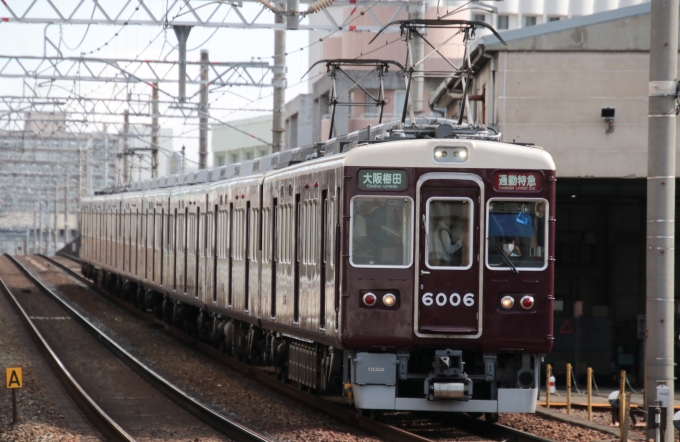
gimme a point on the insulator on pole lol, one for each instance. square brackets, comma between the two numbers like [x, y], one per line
[270, 6]
[317, 6]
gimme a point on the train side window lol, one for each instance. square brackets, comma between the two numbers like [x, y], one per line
[190, 237]
[252, 234]
[265, 228]
[222, 233]
[517, 234]
[381, 232]
[314, 230]
[278, 234]
[449, 233]
[331, 230]
[205, 235]
[180, 233]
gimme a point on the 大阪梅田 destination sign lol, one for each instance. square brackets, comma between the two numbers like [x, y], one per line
[380, 179]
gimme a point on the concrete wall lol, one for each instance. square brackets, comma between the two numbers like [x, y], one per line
[554, 99]
[299, 121]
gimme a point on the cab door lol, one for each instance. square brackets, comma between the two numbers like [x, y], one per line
[448, 279]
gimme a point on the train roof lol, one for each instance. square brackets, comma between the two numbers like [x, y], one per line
[387, 147]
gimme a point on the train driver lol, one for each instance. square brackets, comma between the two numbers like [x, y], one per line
[509, 247]
[446, 240]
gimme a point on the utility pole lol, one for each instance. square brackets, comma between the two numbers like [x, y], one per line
[66, 233]
[40, 228]
[35, 236]
[203, 113]
[182, 33]
[416, 10]
[126, 147]
[88, 163]
[279, 83]
[663, 84]
[106, 158]
[183, 149]
[154, 130]
[56, 227]
[80, 172]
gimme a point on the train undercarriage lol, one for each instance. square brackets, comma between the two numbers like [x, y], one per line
[428, 379]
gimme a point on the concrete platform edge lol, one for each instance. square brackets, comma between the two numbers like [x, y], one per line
[574, 420]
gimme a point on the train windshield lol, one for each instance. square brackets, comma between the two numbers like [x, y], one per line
[516, 234]
[449, 232]
[381, 233]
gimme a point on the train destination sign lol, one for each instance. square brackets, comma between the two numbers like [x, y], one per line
[380, 179]
[517, 180]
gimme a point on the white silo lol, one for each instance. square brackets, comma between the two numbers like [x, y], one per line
[507, 6]
[507, 14]
[624, 3]
[605, 5]
[530, 12]
[556, 8]
[580, 7]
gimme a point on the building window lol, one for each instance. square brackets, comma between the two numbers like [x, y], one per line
[233, 158]
[503, 22]
[249, 156]
[219, 160]
[479, 17]
[553, 19]
[529, 21]
[372, 109]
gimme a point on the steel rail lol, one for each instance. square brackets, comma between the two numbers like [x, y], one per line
[102, 421]
[220, 423]
[344, 413]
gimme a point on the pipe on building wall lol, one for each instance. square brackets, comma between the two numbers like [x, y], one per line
[475, 98]
[417, 11]
[492, 89]
[472, 118]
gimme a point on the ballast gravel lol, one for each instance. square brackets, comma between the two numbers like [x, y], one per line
[247, 401]
[39, 419]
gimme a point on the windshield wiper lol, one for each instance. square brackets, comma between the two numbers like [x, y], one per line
[513, 269]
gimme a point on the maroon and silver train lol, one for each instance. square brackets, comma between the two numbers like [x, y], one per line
[414, 263]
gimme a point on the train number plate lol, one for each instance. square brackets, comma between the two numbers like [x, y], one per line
[454, 299]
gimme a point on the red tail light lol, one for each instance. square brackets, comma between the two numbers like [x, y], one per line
[527, 302]
[370, 299]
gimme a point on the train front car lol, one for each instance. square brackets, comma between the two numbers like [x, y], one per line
[448, 274]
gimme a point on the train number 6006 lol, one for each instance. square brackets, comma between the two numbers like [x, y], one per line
[455, 299]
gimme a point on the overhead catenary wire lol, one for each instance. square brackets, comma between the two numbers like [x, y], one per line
[187, 129]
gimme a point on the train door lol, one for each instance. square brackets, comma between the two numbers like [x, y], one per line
[449, 288]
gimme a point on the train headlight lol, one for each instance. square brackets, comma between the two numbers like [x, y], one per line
[389, 300]
[527, 302]
[450, 154]
[507, 302]
[370, 299]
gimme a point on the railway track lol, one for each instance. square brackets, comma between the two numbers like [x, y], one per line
[400, 427]
[123, 399]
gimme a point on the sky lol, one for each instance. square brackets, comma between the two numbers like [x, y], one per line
[153, 42]
[156, 42]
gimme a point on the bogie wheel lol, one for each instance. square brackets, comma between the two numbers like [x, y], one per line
[375, 415]
[491, 417]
